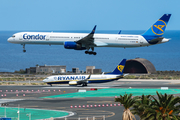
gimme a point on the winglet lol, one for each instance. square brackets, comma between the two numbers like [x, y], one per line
[88, 39]
[119, 32]
[93, 31]
[89, 76]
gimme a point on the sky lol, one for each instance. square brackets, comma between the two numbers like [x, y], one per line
[54, 15]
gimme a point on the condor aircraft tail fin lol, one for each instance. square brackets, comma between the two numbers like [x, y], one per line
[157, 29]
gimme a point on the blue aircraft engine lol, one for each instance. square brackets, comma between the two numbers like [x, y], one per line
[73, 45]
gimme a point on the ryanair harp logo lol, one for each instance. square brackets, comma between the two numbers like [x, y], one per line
[120, 68]
[159, 27]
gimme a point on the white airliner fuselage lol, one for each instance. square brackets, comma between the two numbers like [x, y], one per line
[73, 79]
[100, 40]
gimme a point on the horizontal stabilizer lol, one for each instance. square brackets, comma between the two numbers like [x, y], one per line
[156, 40]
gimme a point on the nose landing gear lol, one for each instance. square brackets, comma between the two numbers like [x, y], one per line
[24, 48]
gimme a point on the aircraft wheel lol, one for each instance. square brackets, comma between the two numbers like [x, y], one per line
[84, 84]
[86, 52]
[90, 53]
[24, 50]
[94, 53]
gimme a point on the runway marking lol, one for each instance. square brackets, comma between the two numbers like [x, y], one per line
[101, 112]
[73, 87]
[29, 106]
[9, 100]
[100, 101]
[128, 83]
[61, 107]
[93, 113]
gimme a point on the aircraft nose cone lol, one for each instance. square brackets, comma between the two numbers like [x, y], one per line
[9, 40]
[45, 80]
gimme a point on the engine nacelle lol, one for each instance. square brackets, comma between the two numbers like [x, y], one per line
[73, 83]
[73, 45]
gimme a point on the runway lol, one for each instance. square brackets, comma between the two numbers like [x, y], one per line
[29, 97]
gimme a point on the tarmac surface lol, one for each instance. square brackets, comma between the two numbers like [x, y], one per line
[30, 97]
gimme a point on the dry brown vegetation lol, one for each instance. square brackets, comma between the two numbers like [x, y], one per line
[160, 75]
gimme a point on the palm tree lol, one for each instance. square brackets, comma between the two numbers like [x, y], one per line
[127, 102]
[166, 107]
[142, 103]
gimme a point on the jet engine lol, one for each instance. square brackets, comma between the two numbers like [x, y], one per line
[73, 45]
[73, 83]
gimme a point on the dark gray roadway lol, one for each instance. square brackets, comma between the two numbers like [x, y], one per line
[32, 100]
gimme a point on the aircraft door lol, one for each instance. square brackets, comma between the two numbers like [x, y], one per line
[21, 37]
[47, 37]
[116, 39]
[141, 41]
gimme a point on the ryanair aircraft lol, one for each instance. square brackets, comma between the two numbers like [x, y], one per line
[86, 79]
[83, 41]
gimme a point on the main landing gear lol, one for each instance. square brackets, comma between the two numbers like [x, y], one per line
[84, 84]
[90, 52]
[50, 85]
[24, 48]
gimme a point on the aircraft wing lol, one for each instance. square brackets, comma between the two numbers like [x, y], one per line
[88, 41]
[80, 82]
[84, 81]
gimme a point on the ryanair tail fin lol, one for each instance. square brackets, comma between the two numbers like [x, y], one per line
[120, 68]
[158, 28]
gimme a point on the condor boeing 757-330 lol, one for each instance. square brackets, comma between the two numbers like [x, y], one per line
[83, 41]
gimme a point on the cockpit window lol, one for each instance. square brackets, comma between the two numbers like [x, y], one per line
[13, 36]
